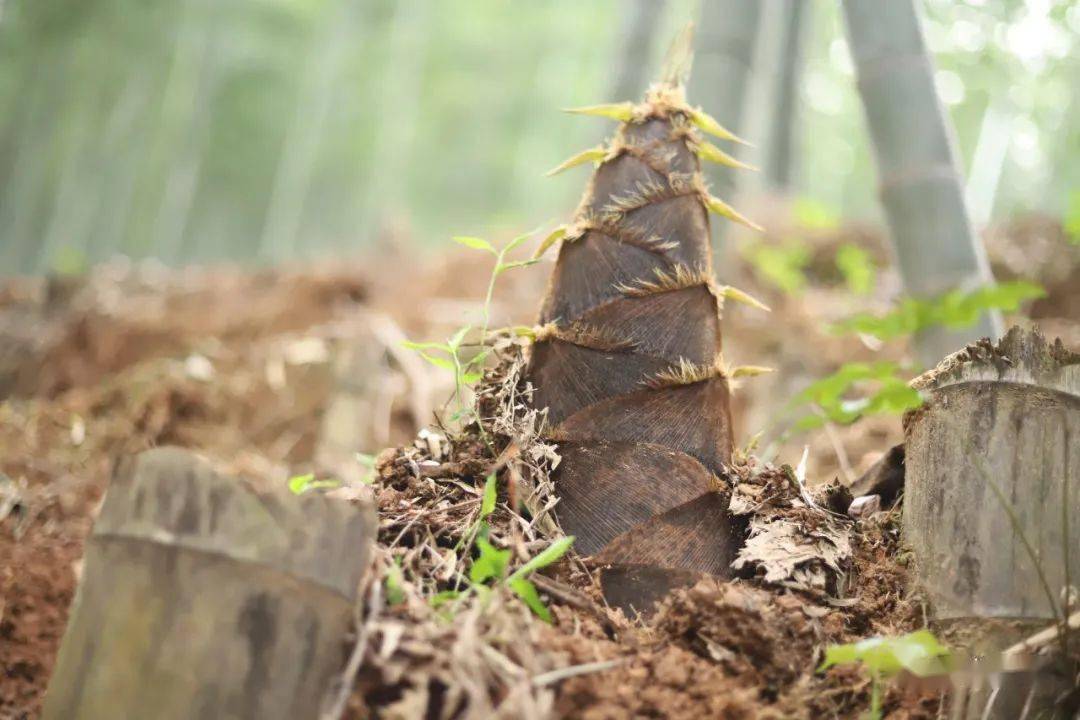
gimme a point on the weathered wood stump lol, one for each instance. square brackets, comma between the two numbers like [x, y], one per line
[998, 436]
[202, 598]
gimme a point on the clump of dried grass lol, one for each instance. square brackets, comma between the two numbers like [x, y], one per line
[478, 655]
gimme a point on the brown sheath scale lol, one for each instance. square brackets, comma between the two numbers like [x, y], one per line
[627, 360]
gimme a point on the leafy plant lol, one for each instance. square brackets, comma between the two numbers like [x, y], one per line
[955, 309]
[780, 265]
[501, 266]
[448, 355]
[300, 484]
[858, 269]
[465, 372]
[489, 570]
[919, 653]
[491, 563]
[828, 395]
[519, 580]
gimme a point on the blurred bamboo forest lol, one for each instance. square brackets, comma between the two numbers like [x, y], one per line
[206, 130]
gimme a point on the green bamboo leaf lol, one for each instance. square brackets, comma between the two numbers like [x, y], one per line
[517, 241]
[709, 124]
[438, 361]
[475, 243]
[593, 154]
[551, 553]
[455, 342]
[527, 592]
[623, 112]
[516, 264]
[409, 345]
[721, 208]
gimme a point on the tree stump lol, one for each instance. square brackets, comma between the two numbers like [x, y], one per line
[1003, 416]
[202, 598]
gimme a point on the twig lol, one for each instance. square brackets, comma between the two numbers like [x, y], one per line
[571, 597]
[348, 678]
[565, 673]
[841, 453]
[1043, 637]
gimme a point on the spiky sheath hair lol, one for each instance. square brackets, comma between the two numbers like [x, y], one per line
[629, 365]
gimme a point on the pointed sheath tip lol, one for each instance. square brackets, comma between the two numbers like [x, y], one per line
[721, 208]
[734, 293]
[594, 154]
[623, 112]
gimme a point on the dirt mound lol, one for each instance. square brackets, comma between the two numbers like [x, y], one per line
[238, 365]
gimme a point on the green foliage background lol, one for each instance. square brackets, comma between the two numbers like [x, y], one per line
[202, 130]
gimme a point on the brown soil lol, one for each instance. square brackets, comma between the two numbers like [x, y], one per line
[94, 369]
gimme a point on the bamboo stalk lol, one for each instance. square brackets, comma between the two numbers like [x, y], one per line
[726, 41]
[639, 30]
[793, 20]
[919, 177]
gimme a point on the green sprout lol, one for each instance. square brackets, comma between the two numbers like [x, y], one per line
[465, 372]
[300, 484]
[491, 563]
[448, 355]
[501, 266]
[919, 653]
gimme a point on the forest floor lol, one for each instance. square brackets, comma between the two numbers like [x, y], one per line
[242, 366]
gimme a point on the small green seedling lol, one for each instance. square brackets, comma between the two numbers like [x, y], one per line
[448, 355]
[465, 372]
[919, 653]
[300, 484]
[521, 585]
[501, 266]
[487, 506]
[489, 570]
